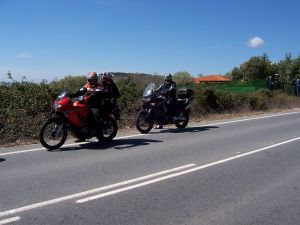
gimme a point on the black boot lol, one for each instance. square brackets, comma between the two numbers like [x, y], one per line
[159, 126]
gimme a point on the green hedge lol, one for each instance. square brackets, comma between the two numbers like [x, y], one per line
[25, 105]
[238, 86]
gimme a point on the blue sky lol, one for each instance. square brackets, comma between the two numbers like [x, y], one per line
[43, 39]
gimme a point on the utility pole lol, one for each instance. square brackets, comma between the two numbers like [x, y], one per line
[9, 75]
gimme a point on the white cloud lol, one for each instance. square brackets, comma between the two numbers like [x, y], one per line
[255, 42]
[24, 55]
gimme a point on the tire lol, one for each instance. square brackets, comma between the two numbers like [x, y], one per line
[109, 129]
[59, 126]
[141, 118]
[184, 123]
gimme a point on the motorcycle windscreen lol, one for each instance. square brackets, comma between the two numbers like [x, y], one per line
[149, 90]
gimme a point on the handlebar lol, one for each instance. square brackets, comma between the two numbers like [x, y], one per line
[82, 99]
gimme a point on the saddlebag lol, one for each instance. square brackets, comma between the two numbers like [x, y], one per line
[183, 93]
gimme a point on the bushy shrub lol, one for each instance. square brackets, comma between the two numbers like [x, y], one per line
[212, 100]
[25, 105]
[129, 101]
[198, 103]
[69, 83]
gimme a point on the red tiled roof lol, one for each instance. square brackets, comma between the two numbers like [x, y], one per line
[211, 78]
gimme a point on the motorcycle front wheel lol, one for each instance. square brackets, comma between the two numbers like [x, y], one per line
[53, 133]
[143, 123]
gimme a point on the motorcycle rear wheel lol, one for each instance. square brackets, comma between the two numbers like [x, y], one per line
[143, 124]
[183, 123]
[109, 129]
[53, 133]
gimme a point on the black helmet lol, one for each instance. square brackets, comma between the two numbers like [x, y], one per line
[168, 77]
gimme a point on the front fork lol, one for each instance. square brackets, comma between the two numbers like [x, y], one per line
[148, 113]
[56, 133]
[188, 108]
[58, 129]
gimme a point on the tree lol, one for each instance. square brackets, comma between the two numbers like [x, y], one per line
[236, 74]
[183, 78]
[284, 68]
[296, 68]
[256, 68]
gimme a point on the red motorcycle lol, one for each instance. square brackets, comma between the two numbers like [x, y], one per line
[78, 119]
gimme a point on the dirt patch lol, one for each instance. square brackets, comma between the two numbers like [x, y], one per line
[223, 116]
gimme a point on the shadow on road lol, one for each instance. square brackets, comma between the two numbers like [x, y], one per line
[115, 144]
[133, 142]
[2, 160]
[188, 129]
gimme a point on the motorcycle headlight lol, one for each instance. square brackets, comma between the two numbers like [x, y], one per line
[56, 106]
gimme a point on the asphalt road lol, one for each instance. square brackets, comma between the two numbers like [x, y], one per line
[243, 171]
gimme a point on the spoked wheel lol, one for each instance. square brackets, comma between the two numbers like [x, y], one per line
[143, 123]
[109, 129]
[53, 133]
[182, 123]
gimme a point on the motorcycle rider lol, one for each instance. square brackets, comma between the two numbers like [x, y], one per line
[109, 85]
[93, 90]
[168, 89]
[111, 92]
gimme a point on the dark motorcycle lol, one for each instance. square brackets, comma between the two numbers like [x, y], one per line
[77, 118]
[155, 109]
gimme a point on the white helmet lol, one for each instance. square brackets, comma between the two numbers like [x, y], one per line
[107, 77]
[92, 78]
[168, 77]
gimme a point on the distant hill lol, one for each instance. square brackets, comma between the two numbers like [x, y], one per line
[73, 83]
[138, 78]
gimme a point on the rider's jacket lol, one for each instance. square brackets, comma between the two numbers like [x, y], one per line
[111, 90]
[94, 93]
[91, 88]
[168, 88]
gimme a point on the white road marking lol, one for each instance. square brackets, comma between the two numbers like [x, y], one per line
[67, 145]
[10, 220]
[82, 194]
[182, 172]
